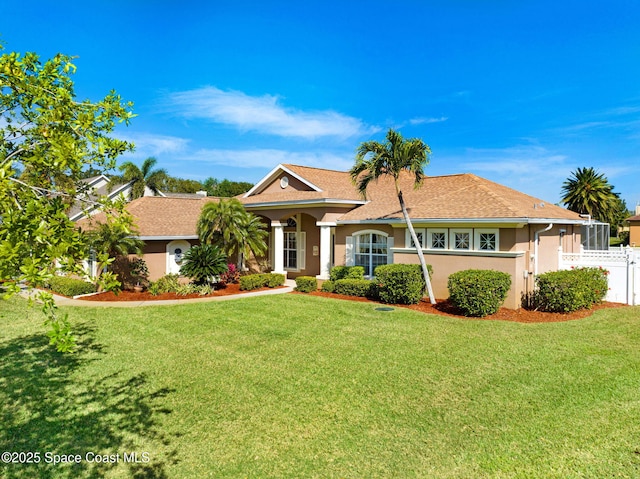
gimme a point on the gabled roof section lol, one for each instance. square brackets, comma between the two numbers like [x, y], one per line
[311, 184]
[159, 217]
[273, 175]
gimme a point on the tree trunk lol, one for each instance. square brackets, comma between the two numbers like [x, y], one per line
[425, 271]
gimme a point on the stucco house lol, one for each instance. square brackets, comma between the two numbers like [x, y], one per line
[634, 229]
[316, 219]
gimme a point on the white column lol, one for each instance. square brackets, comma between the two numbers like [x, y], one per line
[325, 249]
[278, 246]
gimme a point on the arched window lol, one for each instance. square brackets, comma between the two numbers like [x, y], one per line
[370, 249]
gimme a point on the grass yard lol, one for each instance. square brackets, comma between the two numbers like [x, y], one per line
[297, 386]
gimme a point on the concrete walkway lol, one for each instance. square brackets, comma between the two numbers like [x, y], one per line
[63, 301]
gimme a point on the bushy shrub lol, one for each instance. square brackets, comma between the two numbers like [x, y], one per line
[354, 287]
[328, 286]
[167, 284]
[204, 263]
[400, 283]
[346, 272]
[255, 281]
[306, 284]
[569, 290]
[70, 286]
[230, 276]
[139, 272]
[478, 292]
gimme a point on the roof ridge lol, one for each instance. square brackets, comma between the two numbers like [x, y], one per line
[482, 183]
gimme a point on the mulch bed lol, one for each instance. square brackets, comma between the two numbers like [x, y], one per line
[444, 308]
[146, 296]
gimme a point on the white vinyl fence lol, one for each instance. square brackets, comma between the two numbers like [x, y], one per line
[624, 270]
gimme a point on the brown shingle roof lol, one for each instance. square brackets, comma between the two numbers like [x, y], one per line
[452, 197]
[163, 217]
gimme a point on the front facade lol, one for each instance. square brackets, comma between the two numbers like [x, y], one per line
[634, 229]
[317, 220]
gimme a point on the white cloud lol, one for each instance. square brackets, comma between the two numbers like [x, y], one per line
[264, 114]
[269, 158]
[421, 120]
[155, 145]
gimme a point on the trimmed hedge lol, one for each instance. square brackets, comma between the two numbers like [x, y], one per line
[478, 292]
[261, 280]
[70, 286]
[306, 284]
[346, 272]
[400, 283]
[354, 287]
[570, 290]
[328, 286]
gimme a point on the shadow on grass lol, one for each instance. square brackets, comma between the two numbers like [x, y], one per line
[47, 406]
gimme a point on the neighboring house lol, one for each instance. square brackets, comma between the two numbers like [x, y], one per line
[97, 187]
[634, 229]
[317, 219]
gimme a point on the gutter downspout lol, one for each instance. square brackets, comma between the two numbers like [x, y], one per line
[536, 248]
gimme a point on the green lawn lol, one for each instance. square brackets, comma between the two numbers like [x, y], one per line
[296, 386]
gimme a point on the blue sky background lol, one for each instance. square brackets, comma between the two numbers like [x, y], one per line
[519, 92]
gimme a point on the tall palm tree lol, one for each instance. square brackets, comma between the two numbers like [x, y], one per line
[143, 176]
[391, 158]
[228, 224]
[588, 192]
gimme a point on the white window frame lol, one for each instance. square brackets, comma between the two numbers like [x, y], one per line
[409, 241]
[480, 231]
[452, 238]
[430, 233]
[352, 248]
[301, 250]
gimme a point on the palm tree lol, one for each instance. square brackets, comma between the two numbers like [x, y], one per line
[588, 192]
[374, 159]
[143, 176]
[228, 224]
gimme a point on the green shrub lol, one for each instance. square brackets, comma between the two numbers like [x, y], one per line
[570, 290]
[306, 284]
[204, 263]
[186, 289]
[478, 292]
[400, 283]
[255, 281]
[328, 286]
[274, 280]
[346, 272]
[70, 286]
[167, 284]
[353, 287]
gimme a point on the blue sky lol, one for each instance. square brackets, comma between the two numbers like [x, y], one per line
[519, 92]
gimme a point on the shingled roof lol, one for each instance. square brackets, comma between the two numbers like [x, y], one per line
[158, 217]
[450, 197]
[462, 196]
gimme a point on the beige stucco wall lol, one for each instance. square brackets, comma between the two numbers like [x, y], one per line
[155, 255]
[634, 233]
[519, 241]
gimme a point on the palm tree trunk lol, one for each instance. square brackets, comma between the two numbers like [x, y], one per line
[425, 271]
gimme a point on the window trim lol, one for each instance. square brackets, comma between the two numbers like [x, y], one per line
[419, 231]
[431, 231]
[479, 231]
[354, 253]
[452, 238]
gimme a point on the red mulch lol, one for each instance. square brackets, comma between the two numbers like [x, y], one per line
[444, 308]
[146, 296]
